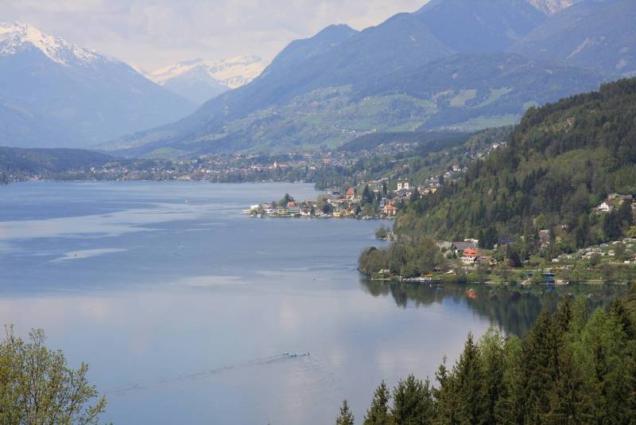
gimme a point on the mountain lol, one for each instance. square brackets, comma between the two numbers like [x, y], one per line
[561, 161]
[479, 26]
[200, 80]
[55, 94]
[550, 7]
[446, 66]
[597, 35]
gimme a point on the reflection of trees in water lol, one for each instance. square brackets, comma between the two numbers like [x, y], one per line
[512, 309]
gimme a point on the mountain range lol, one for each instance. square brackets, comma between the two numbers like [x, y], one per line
[453, 64]
[55, 94]
[200, 80]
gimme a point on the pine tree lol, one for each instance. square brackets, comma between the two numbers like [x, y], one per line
[378, 413]
[569, 400]
[607, 355]
[345, 417]
[509, 406]
[617, 309]
[445, 397]
[469, 380]
[563, 316]
[493, 363]
[539, 368]
[413, 403]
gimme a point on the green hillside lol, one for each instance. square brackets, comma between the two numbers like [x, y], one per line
[562, 161]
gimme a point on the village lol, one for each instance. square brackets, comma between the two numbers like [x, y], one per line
[469, 260]
[370, 200]
[466, 262]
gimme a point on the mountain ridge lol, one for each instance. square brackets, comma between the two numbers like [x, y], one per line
[342, 83]
[17, 36]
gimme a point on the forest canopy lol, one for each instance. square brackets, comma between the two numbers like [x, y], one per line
[561, 161]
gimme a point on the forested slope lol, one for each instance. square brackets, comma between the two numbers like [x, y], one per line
[562, 160]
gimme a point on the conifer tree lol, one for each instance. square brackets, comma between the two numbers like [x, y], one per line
[378, 413]
[569, 399]
[493, 362]
[607, 355]
[412, 403]
[469, 380]
[445, 397]
[539, 368]
[509, 406]
[345, 417]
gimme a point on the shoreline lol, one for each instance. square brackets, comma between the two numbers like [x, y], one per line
[431, 282]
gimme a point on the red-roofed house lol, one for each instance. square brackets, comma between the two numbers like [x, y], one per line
[470, 256]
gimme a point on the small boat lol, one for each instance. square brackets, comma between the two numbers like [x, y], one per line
[296, 355]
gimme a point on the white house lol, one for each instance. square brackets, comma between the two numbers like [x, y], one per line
[403, 185]
[604, 207]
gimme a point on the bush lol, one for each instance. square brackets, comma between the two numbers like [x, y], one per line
[37, 386]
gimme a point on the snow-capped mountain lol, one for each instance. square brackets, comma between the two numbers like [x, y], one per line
[54, 94]
[17, 37]
[200, 80]
[551, 7]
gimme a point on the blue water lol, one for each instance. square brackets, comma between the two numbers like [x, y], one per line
[183, 307]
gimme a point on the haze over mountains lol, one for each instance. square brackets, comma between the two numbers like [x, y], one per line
[55, 94]
[453, 64]
[199, 80]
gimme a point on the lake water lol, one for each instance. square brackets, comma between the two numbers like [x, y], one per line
[184, 308]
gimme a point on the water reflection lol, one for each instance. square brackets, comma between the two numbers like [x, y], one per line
[512, 309]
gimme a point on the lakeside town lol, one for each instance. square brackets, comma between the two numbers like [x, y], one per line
[374, 201]
[470, 260]
[307, 166]
[326, 168]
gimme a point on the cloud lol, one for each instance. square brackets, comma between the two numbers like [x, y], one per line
[153, 33]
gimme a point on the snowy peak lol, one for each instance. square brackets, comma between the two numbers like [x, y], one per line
[231, 73]
[551, 7]
[17, 37]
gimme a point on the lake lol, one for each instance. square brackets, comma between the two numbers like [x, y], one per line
[185, 309]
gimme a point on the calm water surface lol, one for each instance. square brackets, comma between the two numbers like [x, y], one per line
[184, 308]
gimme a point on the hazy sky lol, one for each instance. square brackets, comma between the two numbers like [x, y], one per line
[154, 33]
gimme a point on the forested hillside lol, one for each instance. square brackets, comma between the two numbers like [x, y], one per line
[561, 161]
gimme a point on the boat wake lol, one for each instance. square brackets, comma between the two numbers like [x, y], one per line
[207, 373]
